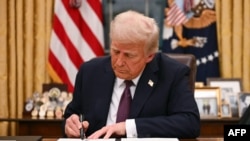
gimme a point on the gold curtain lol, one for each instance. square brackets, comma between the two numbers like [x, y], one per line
[233, 21]
[25, 27]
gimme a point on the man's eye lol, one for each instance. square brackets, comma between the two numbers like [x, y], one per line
[115, 52]
[129, 55]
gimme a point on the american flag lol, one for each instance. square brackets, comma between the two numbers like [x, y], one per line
[190, 28]
[175, 16]
[77, 36]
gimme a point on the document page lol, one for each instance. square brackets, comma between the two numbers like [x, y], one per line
[150, 139]
[123, 139]
[78, 139]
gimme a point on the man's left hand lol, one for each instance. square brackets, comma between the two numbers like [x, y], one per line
[106, 132]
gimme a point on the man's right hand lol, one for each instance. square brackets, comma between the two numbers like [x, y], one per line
[73, 125]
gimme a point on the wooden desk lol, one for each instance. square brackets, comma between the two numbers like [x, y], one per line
[215, 127]
[203, 139]
[20, 138]
[52, 128]
[35, 126]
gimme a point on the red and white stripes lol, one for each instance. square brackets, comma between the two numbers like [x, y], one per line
[175, 16]
[77, 36]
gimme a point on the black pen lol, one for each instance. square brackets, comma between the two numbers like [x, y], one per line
[81, 129]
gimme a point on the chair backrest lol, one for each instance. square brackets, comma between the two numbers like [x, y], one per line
[190, 61]
[245, 119]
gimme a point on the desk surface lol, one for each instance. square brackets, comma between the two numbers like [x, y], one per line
[212, 127]
[197, 139]
[29, 118]
[22, 138]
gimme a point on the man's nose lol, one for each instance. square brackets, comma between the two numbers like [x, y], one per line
[120, 60]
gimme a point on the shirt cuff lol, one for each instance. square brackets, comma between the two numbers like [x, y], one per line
[131, 128]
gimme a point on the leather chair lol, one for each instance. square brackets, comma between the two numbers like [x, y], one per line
[245, 119]
[190, 61]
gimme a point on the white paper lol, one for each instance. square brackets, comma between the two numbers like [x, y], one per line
[150, 139]
[123, 139]
[78, 139]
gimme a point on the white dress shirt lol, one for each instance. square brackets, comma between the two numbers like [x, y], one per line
[119, 87]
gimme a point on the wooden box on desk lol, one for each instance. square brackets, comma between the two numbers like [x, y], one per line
[36, 126]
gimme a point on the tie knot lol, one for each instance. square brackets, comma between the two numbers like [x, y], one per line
[128, 83]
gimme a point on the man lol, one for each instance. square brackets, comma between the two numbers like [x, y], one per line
[163, 104]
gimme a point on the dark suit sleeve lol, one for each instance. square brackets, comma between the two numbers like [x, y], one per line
[92, 93]
[74, 106]
[180, 116]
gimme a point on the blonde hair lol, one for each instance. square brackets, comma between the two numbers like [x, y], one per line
[131, 27]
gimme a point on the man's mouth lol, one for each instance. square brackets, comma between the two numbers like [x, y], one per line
[120, 71]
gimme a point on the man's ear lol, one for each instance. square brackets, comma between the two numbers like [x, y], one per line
[150, 57]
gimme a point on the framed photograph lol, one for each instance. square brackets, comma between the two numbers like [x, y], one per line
[229, 91]
[244, 102]
[199, 84]
[225, 110]
[207, 99]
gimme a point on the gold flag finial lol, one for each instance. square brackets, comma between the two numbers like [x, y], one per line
[75, 3]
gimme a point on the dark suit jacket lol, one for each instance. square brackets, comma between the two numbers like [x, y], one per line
[166, 109]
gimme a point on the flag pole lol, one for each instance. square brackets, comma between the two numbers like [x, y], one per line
[110, 10]
[146, 8]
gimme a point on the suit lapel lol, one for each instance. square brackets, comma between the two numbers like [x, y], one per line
[105, 93]
[144, 88]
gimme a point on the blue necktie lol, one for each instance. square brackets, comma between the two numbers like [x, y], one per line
[125, 102]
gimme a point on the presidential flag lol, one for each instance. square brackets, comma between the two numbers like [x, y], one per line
[190, 28]
[77, 36]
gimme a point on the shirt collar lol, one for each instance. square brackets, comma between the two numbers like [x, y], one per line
[120, 81]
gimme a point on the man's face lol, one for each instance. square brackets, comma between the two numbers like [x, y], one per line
[128, 60]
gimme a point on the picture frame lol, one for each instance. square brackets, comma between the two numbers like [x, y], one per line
[244, 102]
[199, 84]
[225, 109]
[230, 87]
[207, 99]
